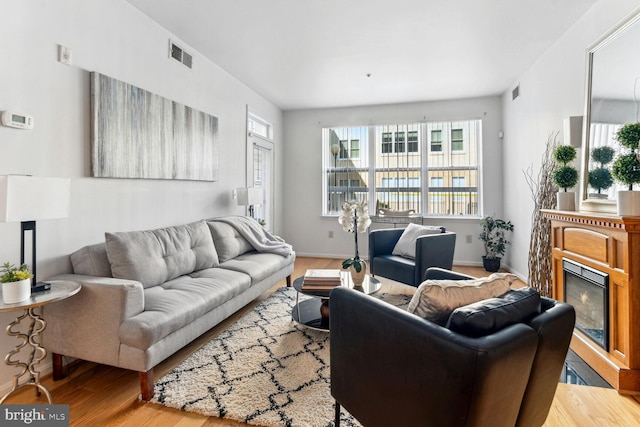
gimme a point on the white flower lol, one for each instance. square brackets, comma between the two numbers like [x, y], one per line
[355, 216]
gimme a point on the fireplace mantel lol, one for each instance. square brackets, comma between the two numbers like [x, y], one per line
[610, 244]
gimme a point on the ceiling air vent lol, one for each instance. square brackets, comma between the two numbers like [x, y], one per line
[515, 92]
[179, 54]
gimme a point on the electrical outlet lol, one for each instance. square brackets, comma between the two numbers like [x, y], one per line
[331, 234]
[468, 238]
[64, 55]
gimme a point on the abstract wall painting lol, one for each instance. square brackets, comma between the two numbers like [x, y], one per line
[137, 134]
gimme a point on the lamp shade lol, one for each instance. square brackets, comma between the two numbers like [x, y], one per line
[250, 196]
[30, 198]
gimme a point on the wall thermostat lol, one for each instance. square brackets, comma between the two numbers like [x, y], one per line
[16, 120]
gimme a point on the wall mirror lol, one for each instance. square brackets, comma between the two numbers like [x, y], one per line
[612, 99]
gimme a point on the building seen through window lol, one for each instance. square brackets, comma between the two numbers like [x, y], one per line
[431, 167]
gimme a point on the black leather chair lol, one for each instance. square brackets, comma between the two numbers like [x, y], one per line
[390, 367]
[433, 250]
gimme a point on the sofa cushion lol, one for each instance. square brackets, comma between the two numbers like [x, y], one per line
[434, 300]
[155, 256]
[91, 261]
[228, 242]
[257, 265]
[490, 315]
[406, 245]
[176, 303]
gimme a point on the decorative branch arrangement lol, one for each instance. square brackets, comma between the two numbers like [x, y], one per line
[543, 192]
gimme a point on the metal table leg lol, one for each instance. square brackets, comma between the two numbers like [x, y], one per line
[37, 354]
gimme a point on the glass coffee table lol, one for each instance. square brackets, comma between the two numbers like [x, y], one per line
[314, 312]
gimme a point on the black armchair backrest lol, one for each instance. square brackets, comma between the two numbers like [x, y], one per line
[432, 250]
[390, 367]
[555, 328]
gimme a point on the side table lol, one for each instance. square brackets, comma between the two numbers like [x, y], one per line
[59, 291]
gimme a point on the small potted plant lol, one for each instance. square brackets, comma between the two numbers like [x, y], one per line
[565, 177]
[495, 241]
[16, 283]
[600, 178]
[626, 169]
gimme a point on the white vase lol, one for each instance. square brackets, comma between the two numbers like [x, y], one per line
[566, 200]
[628, 203]
[358, 277]
[13, 292]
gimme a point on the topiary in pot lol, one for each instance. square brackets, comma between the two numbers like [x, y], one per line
[565, 176]
[629, 135]
[600, 178]
[626, 169]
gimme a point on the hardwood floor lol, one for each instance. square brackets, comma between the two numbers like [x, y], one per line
[100, 395]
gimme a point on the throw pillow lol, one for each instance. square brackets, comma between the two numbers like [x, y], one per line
[228, 242]
[91, 260]
[406, 245]
[491, 315]
[434, 300]
[155, 256]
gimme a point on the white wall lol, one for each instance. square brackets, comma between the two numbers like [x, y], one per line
[308, 231]
[113, 38]
[550, 91]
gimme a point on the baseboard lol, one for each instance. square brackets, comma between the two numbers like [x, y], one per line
[333, 256]
[468, 263]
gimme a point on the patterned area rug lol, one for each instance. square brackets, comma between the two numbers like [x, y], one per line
[263, 370]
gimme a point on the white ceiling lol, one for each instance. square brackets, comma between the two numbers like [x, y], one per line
[319, 53]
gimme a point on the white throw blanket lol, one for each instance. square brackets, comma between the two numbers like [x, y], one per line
[257, 236]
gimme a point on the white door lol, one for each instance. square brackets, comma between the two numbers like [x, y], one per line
[262, 177]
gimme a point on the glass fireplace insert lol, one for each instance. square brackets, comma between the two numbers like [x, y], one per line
[587, 290]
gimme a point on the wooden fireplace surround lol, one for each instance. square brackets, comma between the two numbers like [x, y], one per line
[610, 244]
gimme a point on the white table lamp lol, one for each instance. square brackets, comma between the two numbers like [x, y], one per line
[250, 197]
[26, 199]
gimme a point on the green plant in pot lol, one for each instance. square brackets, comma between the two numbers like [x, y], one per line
[600, 178]
[565, 176]
[16, 283]
[626, 169]
[494, 238]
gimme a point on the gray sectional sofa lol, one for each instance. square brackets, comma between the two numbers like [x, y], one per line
[147, 294]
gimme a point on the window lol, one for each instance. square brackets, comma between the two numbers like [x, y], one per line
[412, 141]
[345, 166]
[349, 149]
[343, 149]
[399, 142]
[387, 144]
[457, 140]
[430, 167]
[354, 148]
[436, 141]
[458, 181]
[259, 126]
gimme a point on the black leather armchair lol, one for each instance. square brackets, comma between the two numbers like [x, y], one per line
[390, 367]
[433, 250]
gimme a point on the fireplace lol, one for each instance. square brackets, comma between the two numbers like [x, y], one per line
[609, 247]
[586, 289]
